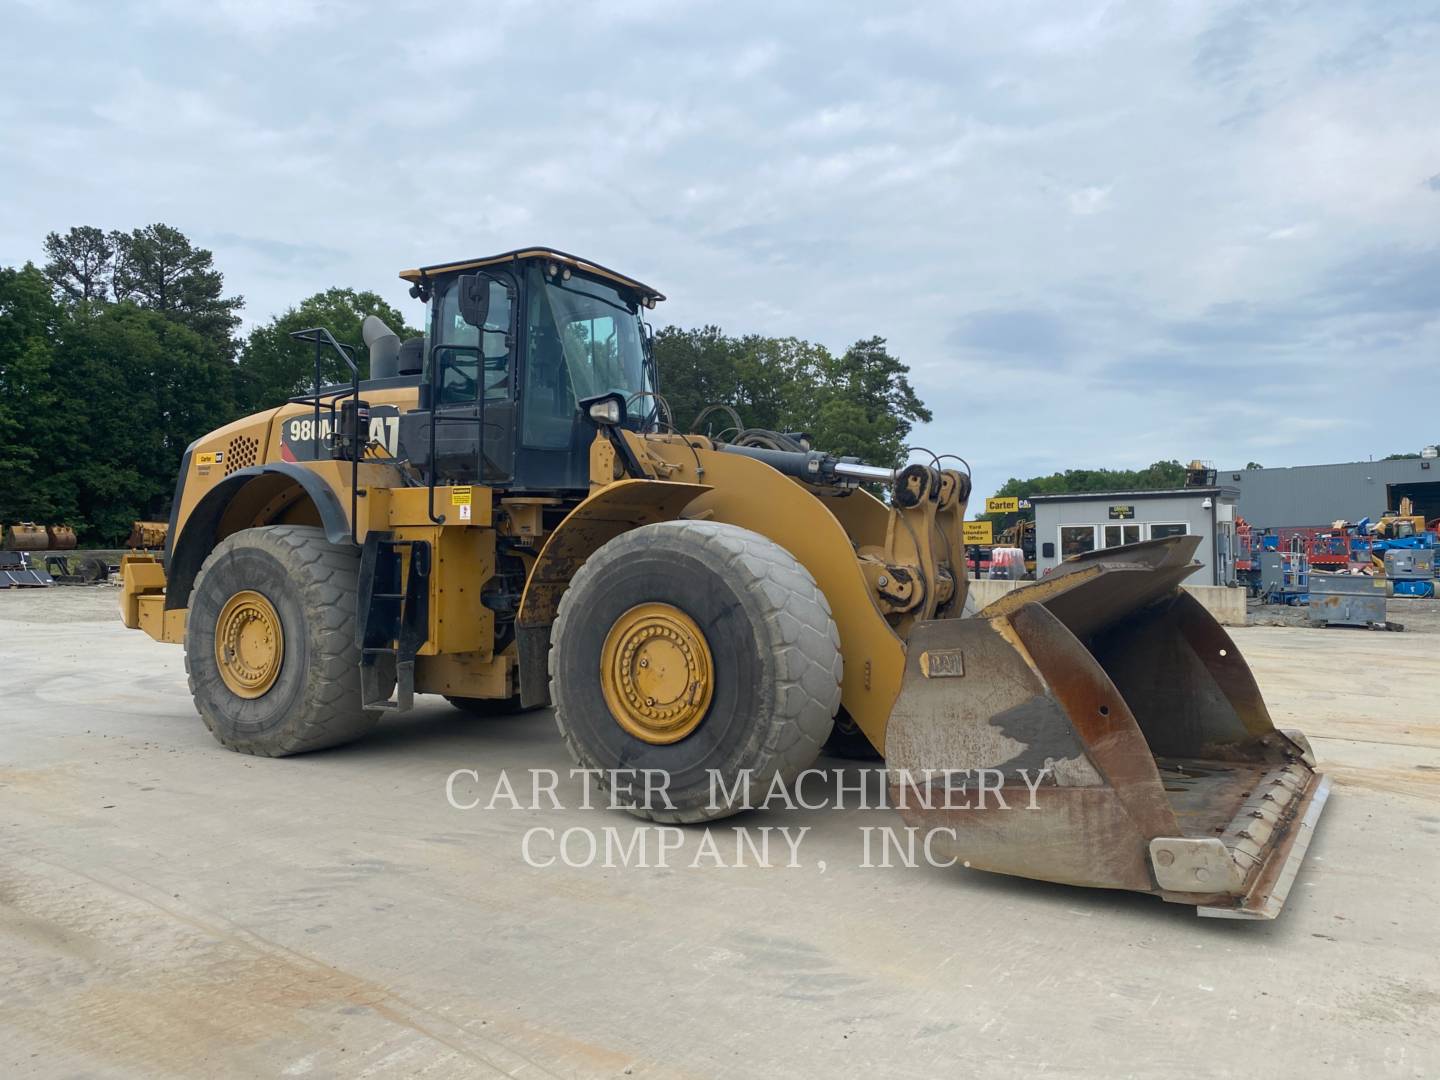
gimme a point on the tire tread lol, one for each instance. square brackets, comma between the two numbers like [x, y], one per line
[809, 666]
[326, 576]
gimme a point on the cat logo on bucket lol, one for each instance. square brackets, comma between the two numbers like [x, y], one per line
[942, 664]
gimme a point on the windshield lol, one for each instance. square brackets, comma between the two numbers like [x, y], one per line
[598, 331]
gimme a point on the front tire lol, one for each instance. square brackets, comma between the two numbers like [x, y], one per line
[744, 675]
[285, 678]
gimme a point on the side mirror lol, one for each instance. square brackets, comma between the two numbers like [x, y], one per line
[474, 298]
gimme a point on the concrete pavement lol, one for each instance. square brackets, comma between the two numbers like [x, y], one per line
[168, 908]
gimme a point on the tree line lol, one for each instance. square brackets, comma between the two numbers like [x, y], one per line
[122, 348]
[1159, 476]
[858, 403]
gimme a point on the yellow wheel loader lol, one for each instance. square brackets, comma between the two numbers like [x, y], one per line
[503, 513]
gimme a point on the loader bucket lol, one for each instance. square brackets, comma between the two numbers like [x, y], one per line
[1125, 742]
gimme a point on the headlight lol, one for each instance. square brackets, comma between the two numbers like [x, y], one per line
[605, 412]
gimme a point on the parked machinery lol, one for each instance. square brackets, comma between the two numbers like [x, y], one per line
[1410, 570]
[77, 569]
[148, 535]
[523, 524]
[1277, 575]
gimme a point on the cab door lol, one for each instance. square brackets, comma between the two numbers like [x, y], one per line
[474, 389]
[552, 451]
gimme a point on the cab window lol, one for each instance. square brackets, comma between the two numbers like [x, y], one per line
[470, 356]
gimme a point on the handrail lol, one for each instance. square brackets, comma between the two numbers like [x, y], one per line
[322, 337]
[436, 419]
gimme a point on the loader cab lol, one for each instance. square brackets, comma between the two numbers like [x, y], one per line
[512, 344]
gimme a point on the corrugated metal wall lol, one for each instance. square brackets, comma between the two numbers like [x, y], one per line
[1320, 494]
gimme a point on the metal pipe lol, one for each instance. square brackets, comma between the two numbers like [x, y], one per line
[815, 467]
[384, 347]
[865, 474]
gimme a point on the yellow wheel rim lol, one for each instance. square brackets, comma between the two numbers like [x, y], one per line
[656, 673]
[249, 644]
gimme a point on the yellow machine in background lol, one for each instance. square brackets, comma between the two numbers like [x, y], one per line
[147, 535]
[505, 513]
[1400, 523]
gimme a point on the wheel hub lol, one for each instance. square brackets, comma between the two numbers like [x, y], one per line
[249, 644]
[656, 673]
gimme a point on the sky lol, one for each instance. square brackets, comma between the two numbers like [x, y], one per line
[1100, 234]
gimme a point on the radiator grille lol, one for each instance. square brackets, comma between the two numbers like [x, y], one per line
[242, 453]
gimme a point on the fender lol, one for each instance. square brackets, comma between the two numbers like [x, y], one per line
[604, 515]
[190, 547]
[751, 494]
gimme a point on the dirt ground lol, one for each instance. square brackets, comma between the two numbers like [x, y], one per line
[168, 908]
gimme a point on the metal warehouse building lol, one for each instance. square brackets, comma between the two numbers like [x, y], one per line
[1320, 494]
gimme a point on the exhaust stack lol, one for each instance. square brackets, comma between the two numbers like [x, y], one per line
[384, 346]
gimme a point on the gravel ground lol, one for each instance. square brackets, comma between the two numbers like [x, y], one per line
[1416, 615]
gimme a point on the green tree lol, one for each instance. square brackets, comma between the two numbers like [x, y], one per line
[112, 361]
[81, 264]
[868, 406]
[1158, 476]
[860, 403]
[144, 387]
[274, 367]
[778, 382]
[697, 368]
[158, 268]
[40, 425]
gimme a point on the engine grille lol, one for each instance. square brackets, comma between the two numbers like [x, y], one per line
[241, 454]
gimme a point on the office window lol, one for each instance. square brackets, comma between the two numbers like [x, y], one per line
[1076, 540]
[1160, 530]
[1118, 535]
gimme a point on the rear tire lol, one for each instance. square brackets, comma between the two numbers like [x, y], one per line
[775, 666]
[310, 586]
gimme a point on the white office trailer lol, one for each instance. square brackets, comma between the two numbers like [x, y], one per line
[1067, 525]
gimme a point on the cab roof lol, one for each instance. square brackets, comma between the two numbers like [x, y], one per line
[573, 261]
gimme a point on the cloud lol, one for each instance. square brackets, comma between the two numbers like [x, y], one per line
[1088, 200]
[1099, 233]
[1037, 336]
